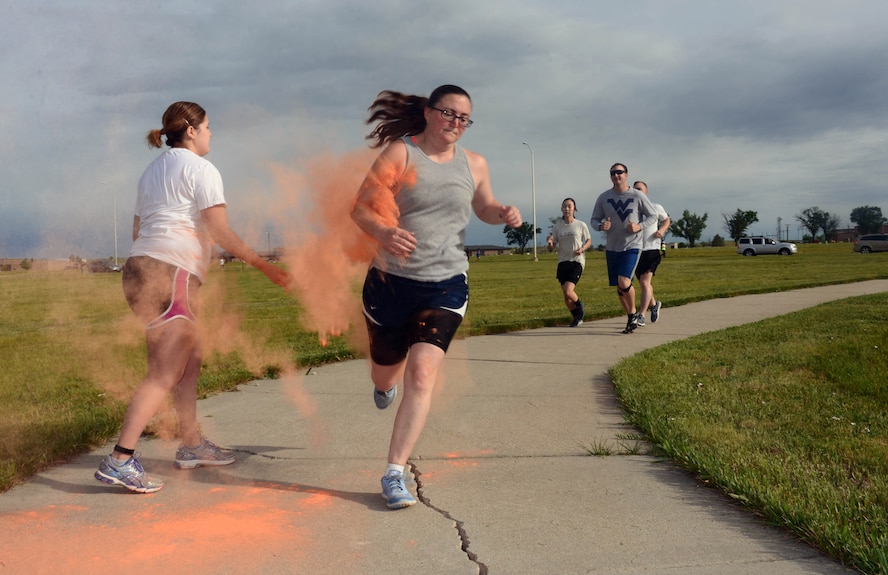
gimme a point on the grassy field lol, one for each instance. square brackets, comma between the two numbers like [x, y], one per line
[72, 353]
[785, 415]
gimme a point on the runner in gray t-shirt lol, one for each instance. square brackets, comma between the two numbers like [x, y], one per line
[572, 238]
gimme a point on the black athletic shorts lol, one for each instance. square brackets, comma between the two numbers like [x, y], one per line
[648, 262]
[401, 312]
[569, 272]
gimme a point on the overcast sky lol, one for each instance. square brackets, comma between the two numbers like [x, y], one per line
[772, 106]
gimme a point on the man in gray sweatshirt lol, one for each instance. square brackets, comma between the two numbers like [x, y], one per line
[622, 213]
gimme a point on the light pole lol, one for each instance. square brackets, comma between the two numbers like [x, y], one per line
[268, 240]
[534, 199]
[114, 196]
[115, 226]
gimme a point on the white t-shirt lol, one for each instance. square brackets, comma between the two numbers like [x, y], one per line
[569, 238]
[652, 242]
[173, 190]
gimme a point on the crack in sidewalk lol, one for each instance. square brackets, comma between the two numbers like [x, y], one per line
[460, 526]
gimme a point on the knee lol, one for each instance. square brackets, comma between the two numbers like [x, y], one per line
[386, 376]
[421, 377]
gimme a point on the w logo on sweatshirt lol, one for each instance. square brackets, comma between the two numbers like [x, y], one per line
[622, 207]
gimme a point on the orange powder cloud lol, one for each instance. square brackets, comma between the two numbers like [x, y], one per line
[327, 254]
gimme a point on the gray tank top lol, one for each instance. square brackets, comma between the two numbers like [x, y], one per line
[437, 209]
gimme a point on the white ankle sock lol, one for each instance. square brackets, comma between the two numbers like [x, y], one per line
[392, 468]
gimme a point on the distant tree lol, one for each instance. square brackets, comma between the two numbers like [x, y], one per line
[554, 220]
[520, 236]
[25, 264]
[689, 227]
[737, 223]
[718, 241]
[869, 219]
[831, 223]
[812, 219]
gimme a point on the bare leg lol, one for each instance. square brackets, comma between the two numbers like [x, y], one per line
[185, 398]
[627, 299]
[420, 375]
[570, 295]
[647, 291]
[386, 377]
[170, 349]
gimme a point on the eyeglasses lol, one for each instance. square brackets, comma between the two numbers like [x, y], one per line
[618, 172]
[450, 115]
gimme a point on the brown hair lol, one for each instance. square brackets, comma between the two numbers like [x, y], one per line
[402, 115]
[176, 120]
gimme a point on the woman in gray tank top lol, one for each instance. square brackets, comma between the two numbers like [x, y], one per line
[416, 203]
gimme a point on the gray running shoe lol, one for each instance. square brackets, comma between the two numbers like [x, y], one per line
[207, 453]
[395, 493]
[655, 311]
[384, 399]
[641, 320]
[128, 474]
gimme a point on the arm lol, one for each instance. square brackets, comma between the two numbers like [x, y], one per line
[374, 210]
[136, 222]
[647, 209]
[586, 244]
[598, 221]
[216, 221]
[664, 226]
[485, 206]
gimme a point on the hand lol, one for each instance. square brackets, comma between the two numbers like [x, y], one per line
[398, 242]
[511, 216]
[633, 227]
[275, 274]
[606, 225]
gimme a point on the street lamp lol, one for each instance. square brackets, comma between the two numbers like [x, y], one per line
[268, 240]
[115, 226]
[114, 195]
[534, 199]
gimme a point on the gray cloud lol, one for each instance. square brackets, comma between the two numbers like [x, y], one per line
[771, 107]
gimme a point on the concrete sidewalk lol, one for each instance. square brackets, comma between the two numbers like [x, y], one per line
[504, 481]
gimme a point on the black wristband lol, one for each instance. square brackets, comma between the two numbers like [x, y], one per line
[124, 450]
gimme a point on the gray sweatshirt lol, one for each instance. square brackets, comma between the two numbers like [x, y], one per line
[622, 208]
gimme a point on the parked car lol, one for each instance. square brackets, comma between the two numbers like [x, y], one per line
[871, 243]
[102, 266]
[758, 245]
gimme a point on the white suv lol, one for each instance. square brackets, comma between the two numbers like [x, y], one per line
[760, 245]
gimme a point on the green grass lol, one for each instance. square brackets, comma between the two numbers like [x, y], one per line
[786, 415]
[72, 354]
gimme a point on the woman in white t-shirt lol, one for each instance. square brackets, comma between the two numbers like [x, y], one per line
[180, 213]
[572, 238]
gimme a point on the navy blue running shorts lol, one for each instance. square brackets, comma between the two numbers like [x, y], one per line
[401, 312]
